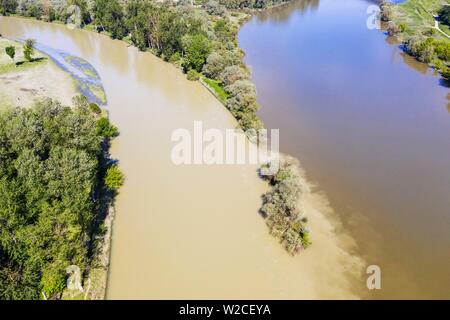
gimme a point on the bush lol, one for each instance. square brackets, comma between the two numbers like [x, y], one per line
[393, 29]
[52, 281]
[444, 15]
[196, 50]
[175, 57]
[28, 49]
[386, 13]
[193, 75]
[7, 7]
[10, 51]
[214, 8]
[106, 129]
[95, 108]
[445, 72]
[231, 74]
[114, 178]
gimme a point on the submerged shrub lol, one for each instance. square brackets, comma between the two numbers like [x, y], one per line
[280, 206]
[193, 75]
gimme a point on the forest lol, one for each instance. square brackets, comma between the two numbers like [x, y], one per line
[56, 183]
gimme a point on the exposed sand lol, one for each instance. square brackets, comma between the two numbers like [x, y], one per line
[44, 79]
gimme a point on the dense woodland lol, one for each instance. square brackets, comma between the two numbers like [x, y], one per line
[56, 183]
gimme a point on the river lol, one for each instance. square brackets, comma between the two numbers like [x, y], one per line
[371, 127]
[190, 231]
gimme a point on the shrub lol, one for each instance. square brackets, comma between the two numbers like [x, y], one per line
[214, 8]
[106, 129]
[95, 108]
[52, 281]
[10, 51]
[7, 7]
[445, 72]
[393, 29]
[114, 178]
[231, 74]
[175, 57]
[193, 75]
[444, 15]
[28, 49]
[386, 13]
[215, 63]
[196, 49]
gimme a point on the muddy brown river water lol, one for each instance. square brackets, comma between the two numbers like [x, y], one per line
[371, 127]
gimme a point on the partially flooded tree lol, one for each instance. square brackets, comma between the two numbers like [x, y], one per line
[281, 206]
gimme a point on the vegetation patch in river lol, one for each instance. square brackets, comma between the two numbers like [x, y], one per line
[86, 77]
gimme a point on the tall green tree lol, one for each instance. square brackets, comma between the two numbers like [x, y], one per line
[109, 17]
[8, 7]
[28, 49]
[196, 49]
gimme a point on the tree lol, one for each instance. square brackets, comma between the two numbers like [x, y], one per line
[216, 63]
[82, 5]
[28, 49]
[444, 15]
[137, 21]
[109, 17]
[8, 7]
[196, 50]
[232, 74]
[10, 51]
[106, 129]
[214, 8]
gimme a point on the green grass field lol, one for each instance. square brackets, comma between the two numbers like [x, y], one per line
[216, 86]
[19, 63]
[417, 15]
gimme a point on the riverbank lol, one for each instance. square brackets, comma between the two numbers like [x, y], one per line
[416, 24]
[23, 82]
